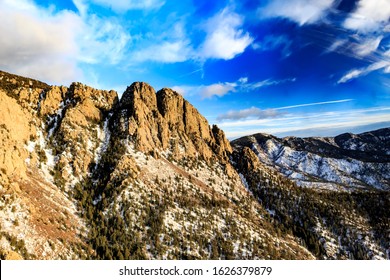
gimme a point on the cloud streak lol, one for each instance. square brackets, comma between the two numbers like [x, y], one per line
[314, 104]
[256, 113]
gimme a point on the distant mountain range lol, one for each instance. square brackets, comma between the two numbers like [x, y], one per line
[85, 174]
[345, 162]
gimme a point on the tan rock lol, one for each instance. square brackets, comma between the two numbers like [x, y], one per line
[10, 255]
[15, 133]
[165, 120]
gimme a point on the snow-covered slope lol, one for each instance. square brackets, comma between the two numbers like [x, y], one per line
[345, 162]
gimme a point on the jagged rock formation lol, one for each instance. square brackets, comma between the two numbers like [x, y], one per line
[86, 174]
[164, 120]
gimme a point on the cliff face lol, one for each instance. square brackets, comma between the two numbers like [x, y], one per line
[86, 174]
[164, 120]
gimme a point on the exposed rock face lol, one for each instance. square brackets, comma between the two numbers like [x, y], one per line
[84, 174]
[164, 120]
[10, 255]
[144, 172]
[14, 132]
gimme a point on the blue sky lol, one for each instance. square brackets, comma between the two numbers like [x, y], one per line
[284, 67]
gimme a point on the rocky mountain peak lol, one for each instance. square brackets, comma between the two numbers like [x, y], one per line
[137, 93]
[84, 174]
[166, 121]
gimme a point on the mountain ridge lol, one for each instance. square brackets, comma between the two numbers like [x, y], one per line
[145, 176]
[359, 154]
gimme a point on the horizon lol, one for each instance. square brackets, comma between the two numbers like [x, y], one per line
[287, 68]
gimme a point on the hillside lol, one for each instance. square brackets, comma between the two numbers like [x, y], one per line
[85, 174]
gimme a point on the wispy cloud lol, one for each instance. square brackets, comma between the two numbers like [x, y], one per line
[355, 73]
[267, 83]
[170, 46]
[102, 41]
[272, 42]
[225, 37]
[300, 11]
[164, 52]
[369, 46]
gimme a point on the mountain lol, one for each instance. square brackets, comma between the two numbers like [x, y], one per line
[345, 162]
[85, 174]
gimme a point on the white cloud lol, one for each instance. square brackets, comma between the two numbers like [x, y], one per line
[300, 11]
[48, 45]
[217, 90]
[34, 42]
[252, 112]
[355, 73]
[370, 15]
[180, 89]
[225, 37]
[125, 5]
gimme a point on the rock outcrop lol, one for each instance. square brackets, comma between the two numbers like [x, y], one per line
[86, 174]
[164, 120]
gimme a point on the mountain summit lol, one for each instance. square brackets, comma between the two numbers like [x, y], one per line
[85, 174]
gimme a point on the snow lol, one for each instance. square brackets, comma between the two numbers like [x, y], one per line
[104, 138]
[302, 167]
[56, 118]
[244, 181]
[271, 212]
